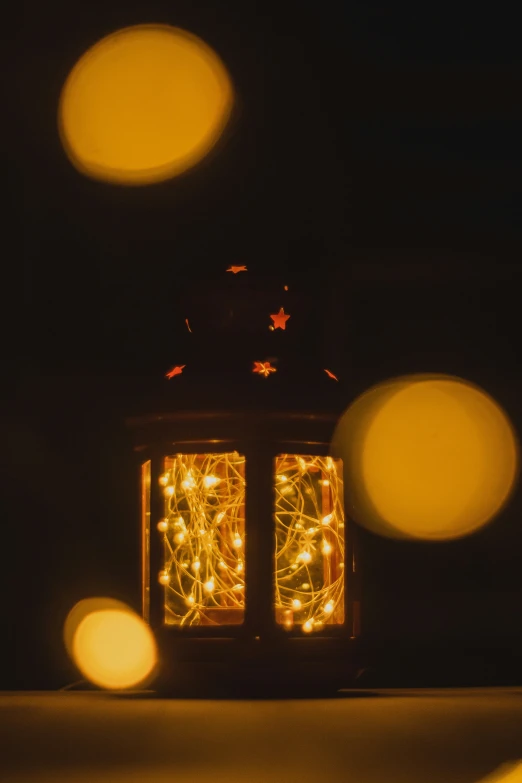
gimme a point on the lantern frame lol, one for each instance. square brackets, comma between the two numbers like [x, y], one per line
[259, 648]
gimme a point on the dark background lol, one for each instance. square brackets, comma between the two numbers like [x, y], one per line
[372, 165]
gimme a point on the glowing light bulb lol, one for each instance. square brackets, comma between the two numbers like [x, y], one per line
[298, 526]
[328, 608]
[188, 482]
[304, 557]
[239, 567]
[164, 480]
[219, 517]
[326, 548]
[302, 464]
[329, 463]
[286, 490]
[282, 478]
[238, 588]
[305, 586]
[327, 519]
[196, 565]
[221, 564]
[180, 522]
[325, 483]
[211, 481]
[179, 538]
[169, 491]
[190, 600]
[164, 578]
[308, 626]
[163, 525]
[296, 604]
[238, 542]
[341, 565]
[209, 586]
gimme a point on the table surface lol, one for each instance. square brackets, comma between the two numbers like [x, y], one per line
[392, 736]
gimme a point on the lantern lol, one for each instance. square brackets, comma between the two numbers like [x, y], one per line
[249, 574]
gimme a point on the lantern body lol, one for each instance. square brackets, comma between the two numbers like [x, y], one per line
[249, 569]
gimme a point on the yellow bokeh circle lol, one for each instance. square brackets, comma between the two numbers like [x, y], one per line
[115, 649]
[143, 105]
[428, 457]
[83, 608]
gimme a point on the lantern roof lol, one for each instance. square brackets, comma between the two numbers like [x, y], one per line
[248, 341]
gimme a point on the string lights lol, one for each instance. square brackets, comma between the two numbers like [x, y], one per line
[203, 533]
[309, 516]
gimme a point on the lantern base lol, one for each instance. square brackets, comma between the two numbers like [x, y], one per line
[228, 668]
[213, 682]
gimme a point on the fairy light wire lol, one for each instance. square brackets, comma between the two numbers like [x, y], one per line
[309, 558]
[204, 540]
[203, 533]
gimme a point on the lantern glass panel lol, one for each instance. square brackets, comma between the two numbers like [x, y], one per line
[203, 532]
[309, 547]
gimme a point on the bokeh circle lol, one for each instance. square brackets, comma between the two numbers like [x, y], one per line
[144, 104]
[431, 457]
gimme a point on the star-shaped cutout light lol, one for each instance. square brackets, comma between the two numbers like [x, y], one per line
[175, 371]
[331, 375]
[280, 319]
[236, 269]
[263, 368]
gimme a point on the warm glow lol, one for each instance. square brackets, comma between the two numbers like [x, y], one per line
[203, 557]
[309, 517]
[326, 548]
[507, 773]
[143, 105]
[429, 457]
[114, 649]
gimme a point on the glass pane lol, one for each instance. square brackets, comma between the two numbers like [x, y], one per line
[309, 558]
[145, 539]
[204, 539]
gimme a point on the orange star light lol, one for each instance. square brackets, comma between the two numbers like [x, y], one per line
[280, 319]
[236, 269]
[331, 375]
[175, 371]
[263, 368]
